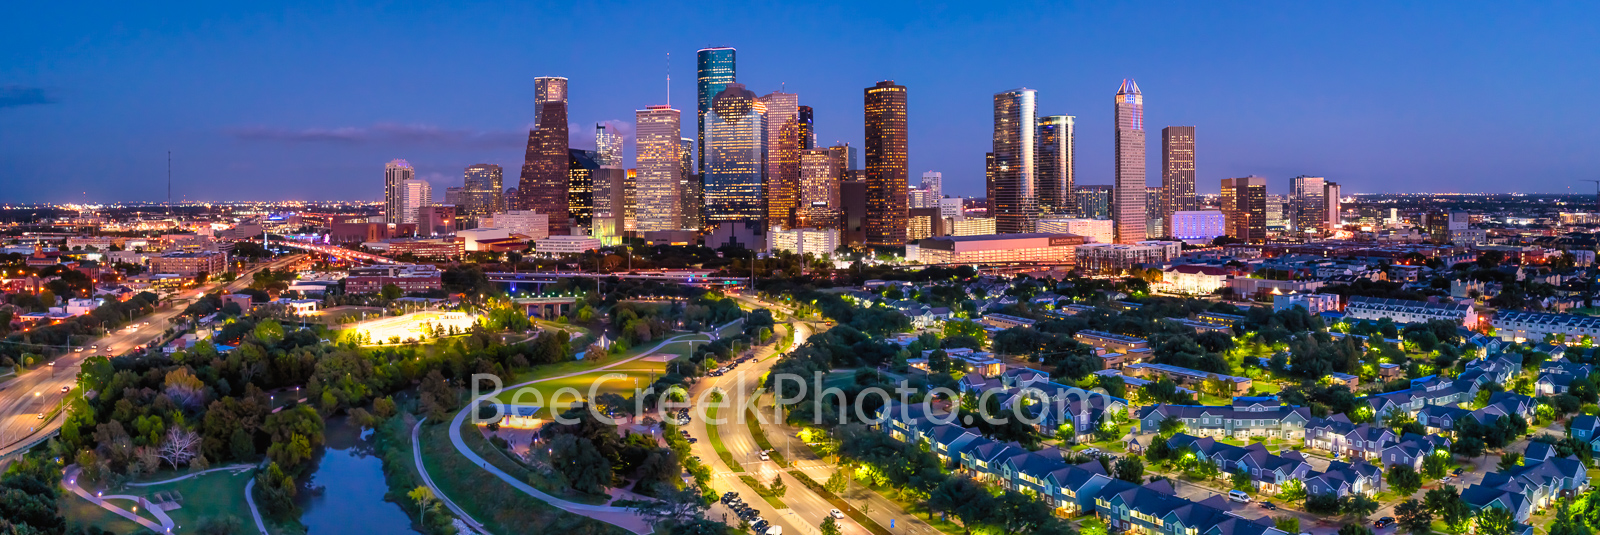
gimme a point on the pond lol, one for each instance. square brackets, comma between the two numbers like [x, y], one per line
[350, 487]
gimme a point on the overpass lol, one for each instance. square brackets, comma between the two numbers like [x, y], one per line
[333, 251]
[546, 307]
[699, 278]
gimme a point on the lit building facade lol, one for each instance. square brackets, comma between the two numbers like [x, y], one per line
[800, 241]
[1128, 197]
[659, 163]
[1310, 205]
[1177, 173]
[692, 203]
[999, 248]
[933, 185]
[528, 223]
[1092, 230]
[736, 130]
[1094, 201]
[972, 226]
[1244, 201]
[1013, 199]
[887, 167]
[480, 192]
[415, 194]
[395, 173]
[819, 189]
[715, 69]
[608, 146]
[1113, 258]
[581, 166]
[1055, 172]
[543, 183]
[782, 186]
[1199, 227]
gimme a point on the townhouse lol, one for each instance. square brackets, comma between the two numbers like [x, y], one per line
[1431, 390]
[1337, 435]
[1232, 385]
[1556, 376]
[1247, 417]
[1154, 509]
[1342, 479]
[1587, 429]
[1528, 488]
[1412, 449]
[1268, 472]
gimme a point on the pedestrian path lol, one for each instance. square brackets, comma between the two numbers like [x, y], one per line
[69, 480]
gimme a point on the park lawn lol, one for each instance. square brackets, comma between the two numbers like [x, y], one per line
[206, 496]
[636, 374]
[1266, 387]
[1208, 399]
[499, 506]
[498, 457]
[80, 512]
[944, 526]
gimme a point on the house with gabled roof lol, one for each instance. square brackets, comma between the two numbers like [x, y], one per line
[1442, 418]
[1247, 417]
[1071, 490]
[1342, 478]
[1530, 487]
[1028, 470]
[1412, 449]
[1337, 435]
[1587, 429]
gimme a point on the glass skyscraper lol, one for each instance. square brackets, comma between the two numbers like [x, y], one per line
[693, 202]
[480, 192]
[783, 157]
[608, 143]
[736, 156]
[1128, 197]
[1056, 165]
[1014, 200]
[887, 167]
[714, 71]
[1177, 172]
[543, 183]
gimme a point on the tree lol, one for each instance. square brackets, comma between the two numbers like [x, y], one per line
[1509, 461]
[1170, 426]
[424, 498]
[1437, 465]
[1566, 524]
[180, 446]
[1495, 521]
[391, 292]
[1293, 490]
[829, 527]
[1241, 480]
[1414, 517]
[581, 463]
[1288, 524]
[1358, 505]
[1020, 513]
[1403, 479]
[1130, 469]
[1354, 529]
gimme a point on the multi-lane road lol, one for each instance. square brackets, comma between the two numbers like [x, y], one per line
[34, 393]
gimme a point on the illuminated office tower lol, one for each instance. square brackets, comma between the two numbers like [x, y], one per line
[1308, 198]
[610, 205]
[630, 202]
[543, 184]
[581, 166]
[415, 195]
[1127, 198]
[783, 157]
[608, 146]
[736, 145]
[714, 71]
[480, 192]
[1054, 174]
[841, 156]
[1094, 201]
[660, 182]
[819, 190]
[808, 129]
[1244, 203]
[1177, 172]
[933, 184]
[692, 202]
[395, 173]
[1331, 193]
[1155, 225]
[1014, 201]
[887, 170]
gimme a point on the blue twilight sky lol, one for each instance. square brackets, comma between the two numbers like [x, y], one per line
[307, 100]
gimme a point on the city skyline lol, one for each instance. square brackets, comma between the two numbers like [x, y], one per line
[278, 139]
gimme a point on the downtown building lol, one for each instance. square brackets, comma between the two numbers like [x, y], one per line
[395, 173]
[1244, 202]
[996, 248]
[1056, 170]
[1113, 258]
[819, 190]
[1013, 199]
[1177, 175]
[714, 70]
[581, 168]
[481, 192]
[1308, 205]
[543, 185]
[782, 186]
[735, 165]
[1128, 196]
[660, 167]
[886, 166]
[692, 205]
[1092, 230]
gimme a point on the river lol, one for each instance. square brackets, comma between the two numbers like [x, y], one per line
[351, 497]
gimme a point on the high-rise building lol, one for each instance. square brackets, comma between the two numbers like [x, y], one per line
[692, 202]
[714, 71]
[1094, 201]
[840, 154]
[610, 205]
[1309, 204]
[511, 198]
[480, 192]
[1013, 198]
[808, 129]
[630, 202]
[853, 211]
[395, 173]
[887, 167]
[543, 184]
[1279, 213]
[1128, 198]
[1055, 173]
[933, 183]
[1177, 172]
[951, 207]
[735, 164]
[456, 197]
[819, 190]
[1244, 202]
[656, 145]
[1155, 225]
[415, 195]
[608, 145]
[924, 223]
[1330, 192]
[783, 157]
[581, 166]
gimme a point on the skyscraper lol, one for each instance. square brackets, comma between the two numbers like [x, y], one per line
[887, 170]
[1014, 201]
[1244, 203]
[736, 141]
[1155, 225]
[819, 190]
[394, 173]
[1054, 174]
[1310, 204]
[1177, 172]
[415, 195]
[1330, 192]
[1094, 201]
[783, 157]
[933, 184]
[660, 179]
[543, 184]
[808, 129]
[608, 145]
[1128, 196]
[715, 70]
[581, 167]
[693, 200]
[480, 192]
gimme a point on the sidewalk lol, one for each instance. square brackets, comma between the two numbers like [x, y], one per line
[69, 480]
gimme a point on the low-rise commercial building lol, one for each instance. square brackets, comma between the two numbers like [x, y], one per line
[1111, 341]
[408, 277]
[1111, 258]
[528, 223]
[999, 248]
[1199, 227]
[566, 244]
[1092, 230]
[800, 241]
[190, 263]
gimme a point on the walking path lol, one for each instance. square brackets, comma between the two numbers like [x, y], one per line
[250, 497]
[618, 516]
[236, 468]
[69, 480]
[416, 454]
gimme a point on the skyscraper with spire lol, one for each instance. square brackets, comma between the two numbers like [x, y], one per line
[1015, 200]
[1128, 195]
[543, 183]
[887, 167]
[715, 69]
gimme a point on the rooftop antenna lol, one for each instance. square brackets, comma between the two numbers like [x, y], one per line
[669, 79]
[169, 183]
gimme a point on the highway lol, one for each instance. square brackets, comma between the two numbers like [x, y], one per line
[25, 398]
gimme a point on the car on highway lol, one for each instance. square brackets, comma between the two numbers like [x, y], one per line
[66, 388]
[836, 514]
[1383, 522]
[764, 456]
[41, 416]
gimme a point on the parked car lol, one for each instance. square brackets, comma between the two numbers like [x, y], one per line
[1238, 496]
[1269, 506]
[1383, 522]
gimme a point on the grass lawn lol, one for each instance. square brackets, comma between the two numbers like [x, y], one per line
[637, 375]
[1208, 399]
[481, 446]
[716, 441]
[1266, 387]
[502, 508]
[774, 502]
[80, 512]
[206, 496]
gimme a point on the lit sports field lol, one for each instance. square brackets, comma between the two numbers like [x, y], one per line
[409, 326]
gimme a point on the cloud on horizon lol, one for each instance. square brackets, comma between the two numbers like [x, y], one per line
[13, 96]
[383, 133]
